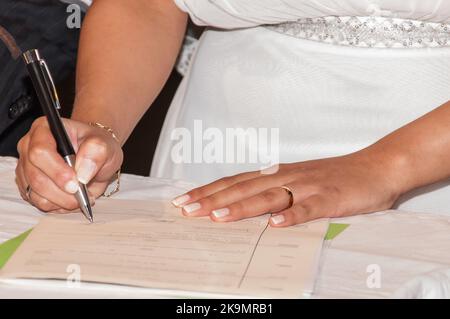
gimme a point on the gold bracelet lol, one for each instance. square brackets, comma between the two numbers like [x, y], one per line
[114, 136]
[107, 129]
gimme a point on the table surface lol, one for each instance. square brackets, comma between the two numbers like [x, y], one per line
[399, 246]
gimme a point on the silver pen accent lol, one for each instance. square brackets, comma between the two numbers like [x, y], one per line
[82, 193]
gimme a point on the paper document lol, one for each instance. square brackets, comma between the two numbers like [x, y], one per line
[150, 244]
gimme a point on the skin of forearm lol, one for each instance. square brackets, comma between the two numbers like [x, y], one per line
[417, 154]
[127, 51]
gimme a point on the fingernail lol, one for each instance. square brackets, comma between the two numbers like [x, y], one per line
[71, 187]
[219, 213]
[180, 200]
[86, 170]
[192, 208]
[278, 219]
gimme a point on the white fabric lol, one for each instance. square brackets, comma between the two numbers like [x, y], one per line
[405, 246]
[326, 100]
[245, 13]
[84, 4]
[435, 284]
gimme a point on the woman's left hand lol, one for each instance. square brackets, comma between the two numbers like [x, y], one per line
[332, 187]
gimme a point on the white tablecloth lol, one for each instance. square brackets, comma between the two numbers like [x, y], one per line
[399, 246]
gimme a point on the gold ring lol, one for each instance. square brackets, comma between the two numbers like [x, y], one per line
[291, 196]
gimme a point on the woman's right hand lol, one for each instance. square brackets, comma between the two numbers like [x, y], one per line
[53, 182]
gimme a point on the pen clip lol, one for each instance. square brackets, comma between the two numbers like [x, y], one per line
[50, 84]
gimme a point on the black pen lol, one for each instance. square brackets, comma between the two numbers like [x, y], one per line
[48, 98]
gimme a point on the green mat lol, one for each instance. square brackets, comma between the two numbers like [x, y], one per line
[8, 248]
[335, 229]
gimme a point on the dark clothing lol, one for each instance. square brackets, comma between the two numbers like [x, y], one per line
[35, 24]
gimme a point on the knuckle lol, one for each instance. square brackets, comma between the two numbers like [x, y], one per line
[296, 214]
[38, 122]
[70, 205]
[237, 209]
[227, 181]
[62, 176]
[269, 196]
[331, 190]
[43, 205]
[18, 168]
[242, 188]
[213, 201]
[40, 119]
[21, 144]
[308, 208]
[196, 193]
[303, 208]
[36, 180]
[207, 203]
[98, 143]
[312, 189]
[36, 152]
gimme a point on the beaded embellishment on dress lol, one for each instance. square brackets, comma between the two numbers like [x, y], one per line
[371, 32]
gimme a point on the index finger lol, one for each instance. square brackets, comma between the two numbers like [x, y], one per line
[42, 153]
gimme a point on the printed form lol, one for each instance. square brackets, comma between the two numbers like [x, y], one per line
[150, 244]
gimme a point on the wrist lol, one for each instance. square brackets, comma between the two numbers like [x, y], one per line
[107, 129]
[393, 166]
[98, 115]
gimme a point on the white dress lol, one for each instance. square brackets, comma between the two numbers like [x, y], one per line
[317, 96]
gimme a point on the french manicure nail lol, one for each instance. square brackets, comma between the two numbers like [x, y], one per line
[219, 213]
[180, 200]
[192, 208]
[278, 219]
[86, 170]
[71, 187]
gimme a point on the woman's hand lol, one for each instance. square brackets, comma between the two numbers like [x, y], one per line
[114, 32]
[52, 181]
[333, 187]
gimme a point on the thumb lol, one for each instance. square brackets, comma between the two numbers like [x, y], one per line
[93, 154]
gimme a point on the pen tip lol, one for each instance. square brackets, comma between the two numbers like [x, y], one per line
[85, 206]
[87, 212]
[90, 215]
